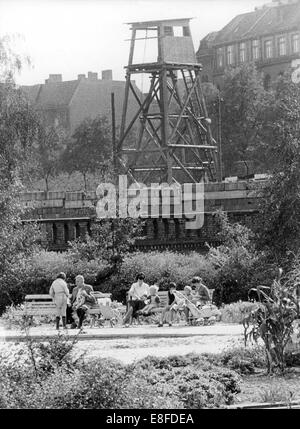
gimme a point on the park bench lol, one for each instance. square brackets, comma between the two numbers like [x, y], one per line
[43, 305]
[163, 296]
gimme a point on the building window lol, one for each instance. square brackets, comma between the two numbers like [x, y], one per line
[295, 43]
[168, 31]
[186, 32]
[268, 49]
[255, 49]
[219, 57]
[229, 55]
[281, 46]
[242, 52]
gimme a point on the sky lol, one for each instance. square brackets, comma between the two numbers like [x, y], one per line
[72, 37]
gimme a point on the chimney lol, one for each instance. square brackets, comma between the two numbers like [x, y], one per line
[107, 75]
[81, 77]
[54, 78]
[92, 76]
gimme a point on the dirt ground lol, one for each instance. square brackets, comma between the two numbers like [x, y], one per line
[263, 388]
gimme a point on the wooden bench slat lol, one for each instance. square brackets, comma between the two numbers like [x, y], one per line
[38, 297]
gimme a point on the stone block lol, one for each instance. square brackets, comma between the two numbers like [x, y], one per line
[52, 203]
[73, 204]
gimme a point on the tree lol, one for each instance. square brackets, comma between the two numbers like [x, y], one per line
[48, 152]
[89, 149]
[243, 109]
[18, 130]
[17, 243]
[279, 223]
[110, 239]
[235, 260]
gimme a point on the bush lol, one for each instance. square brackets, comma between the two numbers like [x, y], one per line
[44, 267]
[178, 382]
[196, 380]
[166, 267]
[238, 266]
[236, 312]
[243, 360]
[35, 274]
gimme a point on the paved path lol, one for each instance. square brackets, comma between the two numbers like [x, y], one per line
[145, 331]
[131, 344]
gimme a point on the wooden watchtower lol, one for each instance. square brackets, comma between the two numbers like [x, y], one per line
[172, 137]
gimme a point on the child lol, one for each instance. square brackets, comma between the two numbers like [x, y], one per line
[152, 301]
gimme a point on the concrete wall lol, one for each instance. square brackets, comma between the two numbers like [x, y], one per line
[65, 216]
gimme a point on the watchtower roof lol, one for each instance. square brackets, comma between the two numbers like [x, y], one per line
[156, 23]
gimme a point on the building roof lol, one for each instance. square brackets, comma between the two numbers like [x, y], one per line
[83, 98]
[263, 21]
[31, 91]
[56, 94]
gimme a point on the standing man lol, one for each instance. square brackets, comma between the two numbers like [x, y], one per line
[82, 299]
[137, 295]
[60, 293]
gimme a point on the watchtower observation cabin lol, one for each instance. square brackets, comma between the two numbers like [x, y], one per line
[169, 138]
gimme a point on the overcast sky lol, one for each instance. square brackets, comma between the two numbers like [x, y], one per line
[76, 36]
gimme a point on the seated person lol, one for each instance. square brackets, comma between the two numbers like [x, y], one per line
[81, 300]
[201, 291]
[174, 301]
[152, 301]
[190, 299]
[136, 298]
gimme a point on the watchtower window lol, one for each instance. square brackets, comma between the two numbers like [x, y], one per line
[178, 31]
[186, 32]
[168, 31]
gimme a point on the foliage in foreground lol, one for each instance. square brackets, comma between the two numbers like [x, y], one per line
[237, 311]
[273, 322]
[48, 375]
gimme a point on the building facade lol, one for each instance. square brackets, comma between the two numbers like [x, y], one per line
[68, 103]
[269, 36]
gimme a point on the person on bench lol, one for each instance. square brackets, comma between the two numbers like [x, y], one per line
[171, 306]
[190, 299]
[60, 293]
[136, 298]
[81, 300]
[152, 302]
[201, 291]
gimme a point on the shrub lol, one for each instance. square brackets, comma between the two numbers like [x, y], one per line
[44, 267]
[273, 322]
[178, 382]
[196, 380]
[237, 311]
[35, 273]
[244, 360]
[166, 267]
